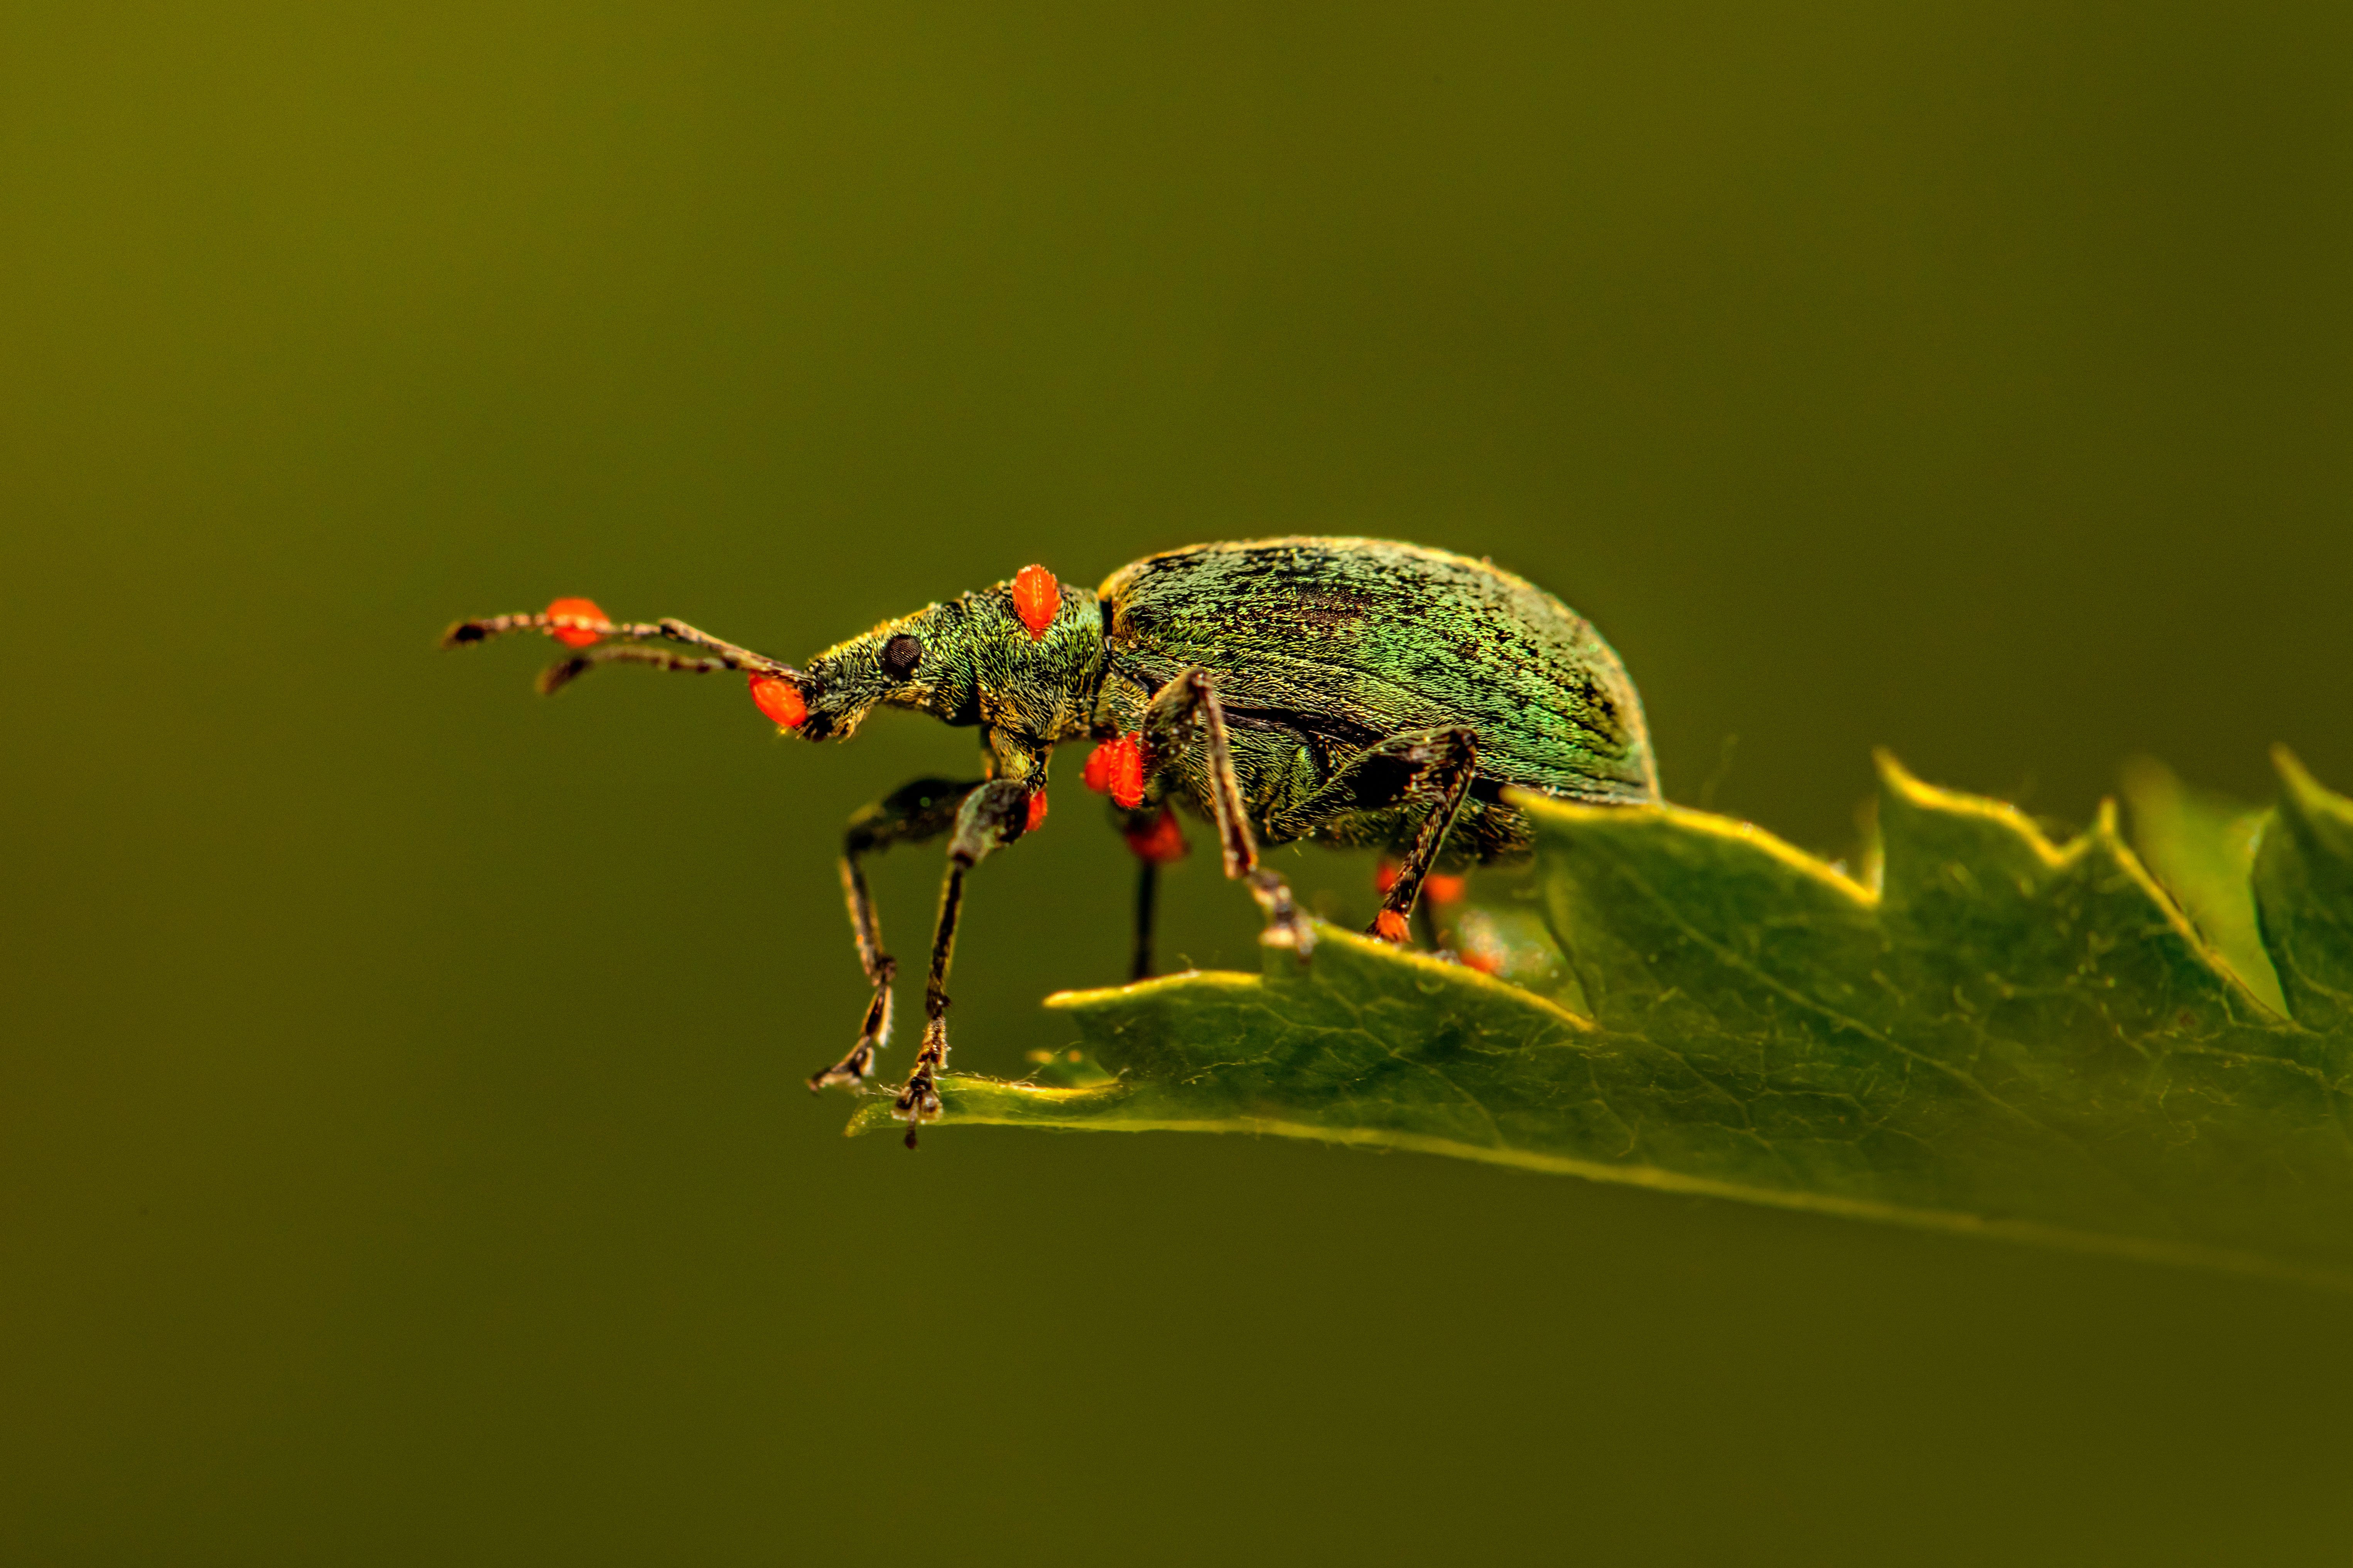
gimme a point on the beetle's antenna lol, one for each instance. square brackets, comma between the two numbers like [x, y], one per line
[580, 623]
[556, 677]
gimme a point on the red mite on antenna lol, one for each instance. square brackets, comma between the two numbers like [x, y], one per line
[583, 609]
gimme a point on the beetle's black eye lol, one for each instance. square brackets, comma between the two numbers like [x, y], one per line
[900, 655]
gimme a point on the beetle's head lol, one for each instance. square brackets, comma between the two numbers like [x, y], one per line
[1018, 655]
[1024, 655]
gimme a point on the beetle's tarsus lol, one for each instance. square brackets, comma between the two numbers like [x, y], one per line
[853, 1070]
[919, 1099]
[875, 1033]
[1285, 926]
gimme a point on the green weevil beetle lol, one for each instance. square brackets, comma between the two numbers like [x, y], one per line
[1353, 692]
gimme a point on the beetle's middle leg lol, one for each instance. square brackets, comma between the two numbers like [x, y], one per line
[1192, 698]
[1156, 840]
[1147, 906]
[914, 814]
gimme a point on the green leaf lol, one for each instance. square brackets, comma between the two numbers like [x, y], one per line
[2304, 895]
[1993, 1034]
[2201, 847]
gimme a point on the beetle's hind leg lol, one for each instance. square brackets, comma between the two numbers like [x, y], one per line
[912, 813]
[1448, 760]
[1185, 702]
[1436, 892]
[1435, 765]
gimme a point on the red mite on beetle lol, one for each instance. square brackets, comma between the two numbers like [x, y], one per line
[1353, 692]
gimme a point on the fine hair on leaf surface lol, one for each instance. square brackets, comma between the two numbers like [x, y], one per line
[2140, 1051]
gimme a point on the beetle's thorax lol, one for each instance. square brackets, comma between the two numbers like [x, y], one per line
[973, 660]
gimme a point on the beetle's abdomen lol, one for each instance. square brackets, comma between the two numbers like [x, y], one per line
[1354, 641]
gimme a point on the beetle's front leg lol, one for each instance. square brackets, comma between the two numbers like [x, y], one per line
[914, 814]
[991, 816]
[1191, 700]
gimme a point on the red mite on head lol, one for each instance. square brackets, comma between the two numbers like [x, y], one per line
[1035, 599]
[1355, 692]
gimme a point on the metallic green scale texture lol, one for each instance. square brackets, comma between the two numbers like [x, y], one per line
[1324, 649]
[1355, 692]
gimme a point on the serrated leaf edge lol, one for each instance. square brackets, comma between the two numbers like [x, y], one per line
[978, 1100]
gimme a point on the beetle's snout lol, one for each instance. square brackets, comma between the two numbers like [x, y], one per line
[817, 704]
[916, 661]
[831, 698]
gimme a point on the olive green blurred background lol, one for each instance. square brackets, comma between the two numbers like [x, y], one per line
[403, 1155]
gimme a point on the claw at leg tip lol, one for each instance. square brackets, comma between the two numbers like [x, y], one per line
[1292, 934]
[852, 1072]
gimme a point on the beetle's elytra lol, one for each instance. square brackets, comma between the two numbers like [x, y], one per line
[1354, 692]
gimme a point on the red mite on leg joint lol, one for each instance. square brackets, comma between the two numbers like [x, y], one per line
[1437, 889]
[1162, 842]
[1116, 768]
